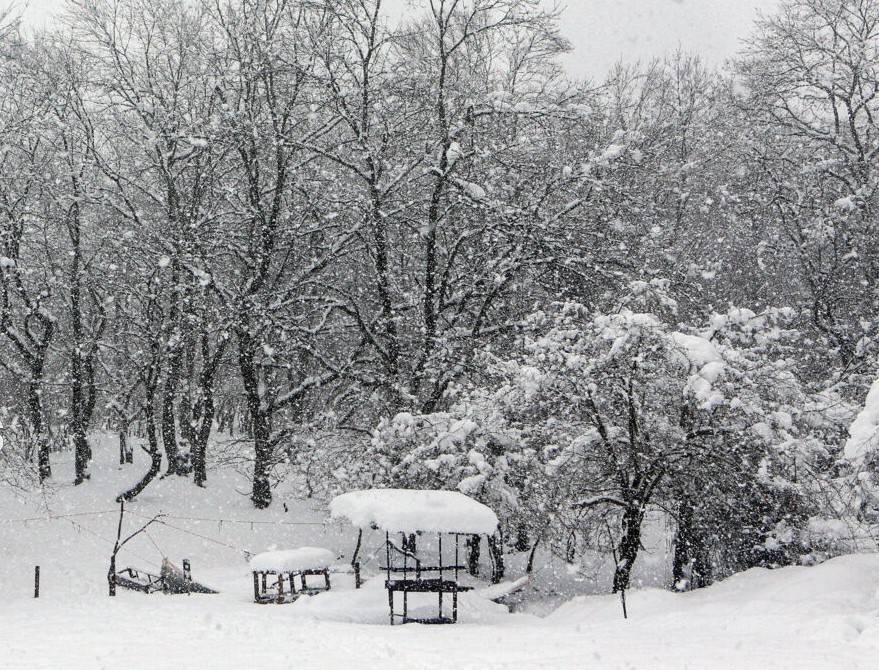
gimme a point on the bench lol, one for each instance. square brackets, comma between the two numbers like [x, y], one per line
[276, 573]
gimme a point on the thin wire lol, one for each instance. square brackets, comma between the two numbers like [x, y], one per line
[247, 521]
[246, 552]
[79, 526]
[252, 522]
[153, 542]
[52, 517]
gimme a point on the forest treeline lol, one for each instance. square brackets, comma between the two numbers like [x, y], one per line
[413, 252]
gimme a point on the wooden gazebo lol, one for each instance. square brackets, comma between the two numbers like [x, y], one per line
[444, 514]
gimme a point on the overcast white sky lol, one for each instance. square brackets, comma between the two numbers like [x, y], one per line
[603, 31]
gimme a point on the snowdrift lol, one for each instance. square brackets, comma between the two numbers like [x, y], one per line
[823, 617]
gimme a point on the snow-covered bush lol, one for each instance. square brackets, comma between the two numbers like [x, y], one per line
[595, 418]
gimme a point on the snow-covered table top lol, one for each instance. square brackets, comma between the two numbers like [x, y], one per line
[293, 560]
[406, 510]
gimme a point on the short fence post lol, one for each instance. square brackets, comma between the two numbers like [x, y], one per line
[36, 581]
[187, 575]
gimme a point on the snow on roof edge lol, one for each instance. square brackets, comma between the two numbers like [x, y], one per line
[292, 560]
[409, 510]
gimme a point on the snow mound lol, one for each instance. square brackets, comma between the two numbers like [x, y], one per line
[756, 598]
[293, 560]
[404, 510]
[369, 605]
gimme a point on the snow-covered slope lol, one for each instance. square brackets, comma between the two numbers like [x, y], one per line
[821, 617]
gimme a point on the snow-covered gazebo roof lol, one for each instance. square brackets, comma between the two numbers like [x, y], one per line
[407, 511]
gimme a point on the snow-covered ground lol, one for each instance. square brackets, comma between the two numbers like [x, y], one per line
[821, 617]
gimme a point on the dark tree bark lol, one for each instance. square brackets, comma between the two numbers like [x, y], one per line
[206, 407]
[123, 446]
[690, 551]
[77, 372]
[33, 347]
[35, 410]
[169, 430]
[630, 543]
[260, 419]
[496, 552]
[473, 551]
[153, 451]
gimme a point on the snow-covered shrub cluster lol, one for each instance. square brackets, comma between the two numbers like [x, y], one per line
[596, 417]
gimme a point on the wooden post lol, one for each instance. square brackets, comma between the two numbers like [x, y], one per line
[187, 576]
[388, 580]
[111, 575]
[36, 581]
[391, 604]
[355, 562]
[440, 540]
[255, 587]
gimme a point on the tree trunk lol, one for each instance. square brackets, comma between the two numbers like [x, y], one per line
[155, 454]
[260, 419]
[628, 549]
[35, 409]
[207, 409]
[82, 452]
[473, 550]
[169, 431]
[123, 447]
[683, 543]
[690, 552]
[188, 411]
[496, 552]
[79, 412]
[262, 491]
[199, 447]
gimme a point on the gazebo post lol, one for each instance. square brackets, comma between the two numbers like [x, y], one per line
[405, 577]
[388, 568]
[391, 605]
[440, 541]
[388, 553]
[457, 539]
